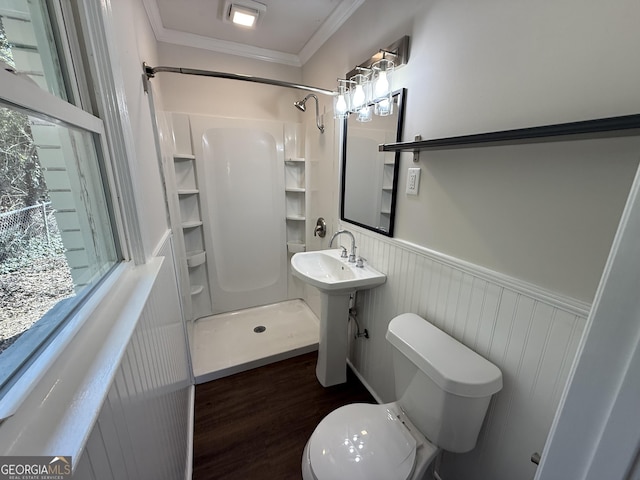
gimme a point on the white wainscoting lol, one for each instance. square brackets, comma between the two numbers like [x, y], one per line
[142, 431]
[532, 335]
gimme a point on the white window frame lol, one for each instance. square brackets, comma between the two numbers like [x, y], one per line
[114, 125]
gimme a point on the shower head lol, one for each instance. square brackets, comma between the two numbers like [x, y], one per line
[300, 105]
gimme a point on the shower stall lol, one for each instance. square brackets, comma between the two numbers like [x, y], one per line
[236, 194]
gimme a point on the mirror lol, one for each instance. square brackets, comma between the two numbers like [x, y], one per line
[370, 177]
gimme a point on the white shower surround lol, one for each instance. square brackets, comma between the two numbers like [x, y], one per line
[241, 177]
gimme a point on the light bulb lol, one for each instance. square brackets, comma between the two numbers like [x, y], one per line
[382, 84]
[341, 105]
[358, 97]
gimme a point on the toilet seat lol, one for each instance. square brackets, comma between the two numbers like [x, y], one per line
[362, 442]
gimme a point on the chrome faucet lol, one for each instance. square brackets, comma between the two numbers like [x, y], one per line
[352, 255]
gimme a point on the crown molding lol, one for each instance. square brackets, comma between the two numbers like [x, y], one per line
[176, 37]
[230, 48]
[340, 15]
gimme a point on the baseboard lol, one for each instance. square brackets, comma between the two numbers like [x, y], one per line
[188, 473]
[364, 382]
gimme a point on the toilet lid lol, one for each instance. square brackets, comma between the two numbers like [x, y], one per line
[362, 442]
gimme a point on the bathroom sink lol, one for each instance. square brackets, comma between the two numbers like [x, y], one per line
[336, 279]
[331, 274]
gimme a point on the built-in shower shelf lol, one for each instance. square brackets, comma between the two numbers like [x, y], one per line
[295, 247]
[196, 289]
[183, 156]
[188, 191]
[188, 220]
[191, 224]
[295, 188]
[196, 258]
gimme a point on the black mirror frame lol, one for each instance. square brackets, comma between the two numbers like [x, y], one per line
[402, 99]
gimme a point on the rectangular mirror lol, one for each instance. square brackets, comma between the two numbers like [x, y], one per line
[369, 177]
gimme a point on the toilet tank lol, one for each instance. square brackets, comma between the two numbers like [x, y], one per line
[443, 386]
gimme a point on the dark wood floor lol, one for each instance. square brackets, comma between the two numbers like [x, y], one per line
[254, 425]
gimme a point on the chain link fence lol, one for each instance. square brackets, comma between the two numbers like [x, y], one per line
[26, 234]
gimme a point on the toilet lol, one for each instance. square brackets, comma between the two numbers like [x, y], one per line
[443, 390]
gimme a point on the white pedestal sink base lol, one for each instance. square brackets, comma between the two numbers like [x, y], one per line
[336, 279]
[331, 368]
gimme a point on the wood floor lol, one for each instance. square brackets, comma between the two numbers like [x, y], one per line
[254, 425]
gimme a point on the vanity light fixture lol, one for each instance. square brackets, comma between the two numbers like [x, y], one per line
[371, 88]
[244, 13]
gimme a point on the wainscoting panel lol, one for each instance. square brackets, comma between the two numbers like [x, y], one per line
[143, 428]
[532, 335]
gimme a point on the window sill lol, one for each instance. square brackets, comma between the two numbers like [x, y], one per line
[53, 406]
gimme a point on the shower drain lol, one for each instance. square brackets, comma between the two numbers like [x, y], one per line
[259, 329]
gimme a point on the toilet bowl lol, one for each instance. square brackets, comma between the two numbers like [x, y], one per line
[367, 442]
[443, 390]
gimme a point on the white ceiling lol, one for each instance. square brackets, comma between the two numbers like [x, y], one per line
[290, 32]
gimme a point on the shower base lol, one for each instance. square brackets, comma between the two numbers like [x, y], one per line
[233, 342]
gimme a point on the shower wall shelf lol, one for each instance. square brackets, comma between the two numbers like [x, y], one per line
[295, 247]
[196, 289]
[523, 135]
[186, 219]
[295, 200]
[195, 259]
[178, 157]
[191, 224]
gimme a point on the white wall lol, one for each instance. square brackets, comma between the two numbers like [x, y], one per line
[477, 67]
[544, 214]
[222, 97]
[135, 43]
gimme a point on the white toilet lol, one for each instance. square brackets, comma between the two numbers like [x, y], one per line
[443, 391]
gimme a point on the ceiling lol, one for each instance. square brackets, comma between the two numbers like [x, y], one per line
[290, 32]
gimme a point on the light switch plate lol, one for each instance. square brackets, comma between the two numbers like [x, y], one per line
[413, 181]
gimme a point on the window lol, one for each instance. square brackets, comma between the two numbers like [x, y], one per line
[56, 222]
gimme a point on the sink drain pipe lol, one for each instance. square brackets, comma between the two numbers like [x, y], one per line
[353, 315]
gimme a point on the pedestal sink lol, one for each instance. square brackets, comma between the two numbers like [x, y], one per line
[337, 279]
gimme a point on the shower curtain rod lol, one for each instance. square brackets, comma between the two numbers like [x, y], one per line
[150, 72]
